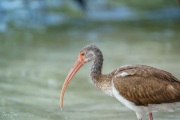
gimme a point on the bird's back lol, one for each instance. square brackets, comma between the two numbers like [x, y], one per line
[144, 85]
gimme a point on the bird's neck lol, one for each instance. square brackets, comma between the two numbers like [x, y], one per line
[101, 81]
[96, 67]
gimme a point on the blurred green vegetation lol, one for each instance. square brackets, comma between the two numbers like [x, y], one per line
[21, 34]
[147, 5]
[139, 5]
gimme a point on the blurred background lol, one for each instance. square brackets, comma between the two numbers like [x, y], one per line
[40, 41]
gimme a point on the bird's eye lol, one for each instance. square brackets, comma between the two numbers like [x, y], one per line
[82, 54]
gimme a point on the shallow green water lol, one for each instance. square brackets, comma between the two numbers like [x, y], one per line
[33, 67]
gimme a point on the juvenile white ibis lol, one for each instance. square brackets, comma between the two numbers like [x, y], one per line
[142, 88]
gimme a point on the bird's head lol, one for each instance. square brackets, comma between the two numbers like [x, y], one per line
[87, 54]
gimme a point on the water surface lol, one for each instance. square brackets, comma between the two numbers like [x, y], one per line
[33, 67]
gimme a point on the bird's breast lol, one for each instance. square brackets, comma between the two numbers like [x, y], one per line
[104, 83]
[107, 89]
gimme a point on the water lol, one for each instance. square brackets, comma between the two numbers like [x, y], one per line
[33, 67]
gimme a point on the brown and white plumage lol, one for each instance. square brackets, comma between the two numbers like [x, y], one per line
[145, 85]
[147, 89]
[142, 88]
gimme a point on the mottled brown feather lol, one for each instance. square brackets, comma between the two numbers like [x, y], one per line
[146, 85]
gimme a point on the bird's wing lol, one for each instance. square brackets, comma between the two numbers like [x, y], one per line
[145, 85]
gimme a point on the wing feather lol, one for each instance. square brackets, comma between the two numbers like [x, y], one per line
[145, 85]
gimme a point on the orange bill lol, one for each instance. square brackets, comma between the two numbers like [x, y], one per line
[78, 64]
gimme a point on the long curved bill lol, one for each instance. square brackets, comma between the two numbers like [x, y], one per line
[78, 64]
